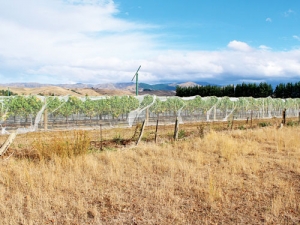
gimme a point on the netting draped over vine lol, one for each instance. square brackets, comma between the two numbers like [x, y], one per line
[28, 113]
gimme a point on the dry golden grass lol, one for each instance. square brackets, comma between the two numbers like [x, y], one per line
[228, 177]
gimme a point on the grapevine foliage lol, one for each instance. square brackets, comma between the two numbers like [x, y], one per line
[119, 107]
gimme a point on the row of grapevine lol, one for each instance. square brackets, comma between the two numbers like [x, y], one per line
[18, 110]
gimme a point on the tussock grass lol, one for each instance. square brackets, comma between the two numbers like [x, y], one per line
[44, 146]
[229, 177]
[61, 144]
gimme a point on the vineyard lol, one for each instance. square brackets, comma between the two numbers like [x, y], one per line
[212, 174]
[31, 113]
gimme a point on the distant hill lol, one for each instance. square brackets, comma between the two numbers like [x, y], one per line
[188, 84]
[156, 87]
[129, 86]
[51, 91]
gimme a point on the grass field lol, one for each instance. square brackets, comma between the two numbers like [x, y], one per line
[239, 176]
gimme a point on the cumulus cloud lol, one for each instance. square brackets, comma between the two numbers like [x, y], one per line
[56, 34]
[268, 20]
[239, 46]
[296, 37]
[226, 65]
[67, 41]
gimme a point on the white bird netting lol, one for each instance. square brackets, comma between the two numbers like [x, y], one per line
[31, 113]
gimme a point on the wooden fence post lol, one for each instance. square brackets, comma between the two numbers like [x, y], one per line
[142, 131]
[7, 143]
[232, 122]
[283, 116]
[176, 129]
[156, 129]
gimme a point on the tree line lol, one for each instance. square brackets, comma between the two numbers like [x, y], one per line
[261, 90]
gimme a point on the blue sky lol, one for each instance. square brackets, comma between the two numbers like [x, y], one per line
[104, 41]
[212, 24]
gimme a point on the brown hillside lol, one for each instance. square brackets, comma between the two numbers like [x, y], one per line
[59, 91]
[79, 92]
[113, 92]
[188, 84]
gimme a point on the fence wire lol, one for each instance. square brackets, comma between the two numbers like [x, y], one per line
[32, 113]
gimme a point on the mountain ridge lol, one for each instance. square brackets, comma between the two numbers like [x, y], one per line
[123, 86]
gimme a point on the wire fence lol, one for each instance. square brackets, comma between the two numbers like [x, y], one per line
[33, 113]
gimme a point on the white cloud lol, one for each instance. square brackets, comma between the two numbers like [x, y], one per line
[221, 66]
[296, 37]
[65, 41]
[264, 47]
[89, 2]
[288, 13]
[53, 34]
[239, 46]
[268, 20]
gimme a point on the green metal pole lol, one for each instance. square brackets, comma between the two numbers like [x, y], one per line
[8, 91]
[136, 81]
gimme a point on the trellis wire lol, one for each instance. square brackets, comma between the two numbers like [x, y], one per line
[69, 112]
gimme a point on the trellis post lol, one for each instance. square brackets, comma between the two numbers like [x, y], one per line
[283, 116]
[176, 129]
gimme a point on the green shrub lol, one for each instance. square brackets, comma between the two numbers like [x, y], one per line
[117, 139]
[241, 127]
[182, 134]
[292, 123]
[264, 124]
